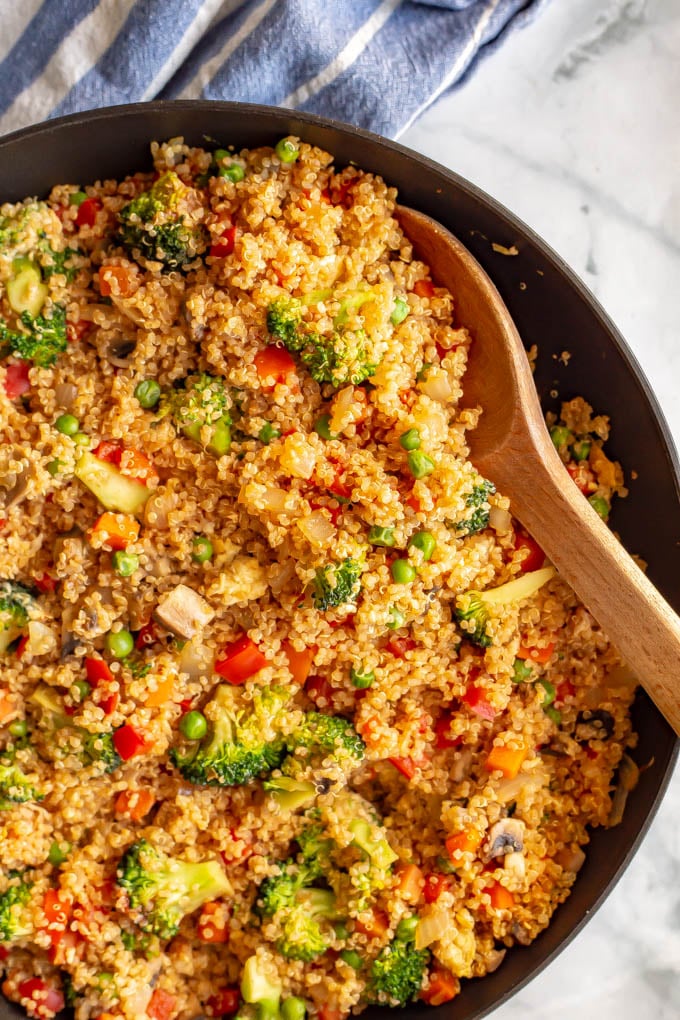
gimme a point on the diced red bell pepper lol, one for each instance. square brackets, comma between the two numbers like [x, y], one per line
[87, 212]
[405, 765]
[564, 690]
[423, 288]
[274, 364]
[161, 1005]
[226, 246]
[224, 1003]
[240, 660]
[128, 742]
[16, 379]
[109, 704]
[442, 732]
[534, 557]
[21, 646]
[443, 987]
[476, 700]
[327, 1013]
[414, 503]
[108, 451]
[240, 848]
[435, 885]
[75, 331]
[531, 654]
[319, 689]
[57, 907]
[45, 583]
[340, 489]
[147, 636]
[399, 646]
[97, 671]
[44, 1000]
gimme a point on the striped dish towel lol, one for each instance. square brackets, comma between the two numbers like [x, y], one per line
[374, 63]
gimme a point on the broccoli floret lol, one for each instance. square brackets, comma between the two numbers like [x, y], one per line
[15, 786]
[260, 990]
[16, 603]
[397, 972]
[315, 849]
[337, 584]
[14, 920]
[329, 733]
[284, 321]
[51, 707]
[200, 410]
[53, 262]
[299, 910]
[162, 890]
[473, 608]
[41, 340]
[99, 748]
[373, 843]
[352, 302]
[152, 226]
[478, 503]
[234, 750]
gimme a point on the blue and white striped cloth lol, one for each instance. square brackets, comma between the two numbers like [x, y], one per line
[374, 63]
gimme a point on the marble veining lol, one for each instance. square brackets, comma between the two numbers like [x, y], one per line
[575, 125]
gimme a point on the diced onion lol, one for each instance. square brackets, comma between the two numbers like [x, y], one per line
[316, 528]
[65, 394]
[500, 520]
[437, 385]
[298, 457]
[195, 660]
[41, 638]
[571, 860]
[432, 926]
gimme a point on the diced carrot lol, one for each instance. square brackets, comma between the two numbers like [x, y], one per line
[375, 926]
[128, 742]
[16, 379]
[118, 280]
[369, 728]
[213, 922]
[274, 364]
[414, 503]
[299, 663]
[435, 885]
[467, 841]
[117, 531]
[240, 660]
[411, 882]
[399, 646]
[97, 671]
[319, 689]
[405, 765]
[162, 694]
[541, 655]
[476, 700]
[501, 898]
[423, 288]
[328, 1013]
[57, 907]
[135, 464]
[533, 556]
[442, 987]
[507, 760]
[239, 848]
[7, 707]
[134, 803]
[161, 1005]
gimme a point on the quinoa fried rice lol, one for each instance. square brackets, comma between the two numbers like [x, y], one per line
[264, 746]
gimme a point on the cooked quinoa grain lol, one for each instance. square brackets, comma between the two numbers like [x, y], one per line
[294, 717]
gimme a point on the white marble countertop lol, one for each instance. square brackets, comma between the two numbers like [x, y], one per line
[575, 126]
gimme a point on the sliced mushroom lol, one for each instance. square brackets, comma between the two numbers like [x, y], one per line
[184, 612]
[119, 350]
[494, 959]
[594, 725]
[505, 837]
[14, 484]
[628, 777]
[520, 934]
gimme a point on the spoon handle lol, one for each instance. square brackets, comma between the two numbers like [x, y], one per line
[633, 614]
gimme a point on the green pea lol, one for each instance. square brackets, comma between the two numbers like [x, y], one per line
[581, 450]
[554, 715]
[361, 680]
[396, 618]
[81, 689]
[561, 436]
[410, 440]
[220, 154]
[119, 643]
[124, 563]
[406, 929]
[403, 572]
[202, 550]
[53, 467]
[419, 464]
[321, 427]
[81, 439]
[400, 311]
[521, 671]
[341, 931]
[234, 172]
[58, 853]
[549, 692]
[293, 1008]
[267, 433]
[67, 424]
[193, 725]
[425, 542]
[381, 536]
[352, 958]
[422, 375]
[287, 150]
[600, 505]
[18, 728]
[148, 393]
[77, 198]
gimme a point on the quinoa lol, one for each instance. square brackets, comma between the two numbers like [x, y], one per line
[289, 516]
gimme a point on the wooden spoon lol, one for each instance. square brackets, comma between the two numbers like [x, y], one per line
[511, 446]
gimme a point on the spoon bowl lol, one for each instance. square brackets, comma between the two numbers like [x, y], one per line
[511, 447]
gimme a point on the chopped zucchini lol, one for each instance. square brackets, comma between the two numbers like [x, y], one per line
[115, 491]
[26, 291]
